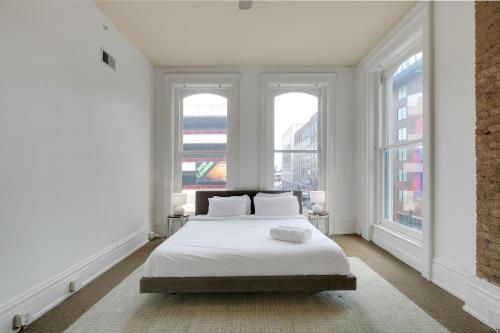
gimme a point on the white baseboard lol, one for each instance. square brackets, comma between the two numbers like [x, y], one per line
[449, 277]
[45, 296]
[404, 249]
[482, 300]
[343, 227]
[158, 228]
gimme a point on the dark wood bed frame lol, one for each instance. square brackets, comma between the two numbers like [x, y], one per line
[233, 284]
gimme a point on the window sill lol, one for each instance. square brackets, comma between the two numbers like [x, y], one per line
[407, 238]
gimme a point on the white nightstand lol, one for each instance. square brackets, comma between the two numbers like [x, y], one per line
[318, 220]
[181, 220]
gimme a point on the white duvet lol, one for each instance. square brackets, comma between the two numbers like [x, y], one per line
[242, 246]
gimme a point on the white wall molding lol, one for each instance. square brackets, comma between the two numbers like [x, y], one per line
[385, 46]
[449, 277]
[344, 227]
[45, 296]
[482, 300]
[403, 248]
[159, 228]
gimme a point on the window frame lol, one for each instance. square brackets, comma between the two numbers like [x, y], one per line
[281, 90]
[300, 82]
[385, 144]
[226, 85]
[187, 91]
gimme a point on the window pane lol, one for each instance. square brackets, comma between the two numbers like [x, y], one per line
[403, 186]
[402, 154]
[402, 113]
[204, 123]
[406, 109]
[297, 171]
[295, 121]
[202, 171]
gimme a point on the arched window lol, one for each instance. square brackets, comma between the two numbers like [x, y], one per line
[296, 141]
[204, 143]
[404, 119]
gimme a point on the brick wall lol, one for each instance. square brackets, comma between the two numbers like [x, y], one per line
[488, 139]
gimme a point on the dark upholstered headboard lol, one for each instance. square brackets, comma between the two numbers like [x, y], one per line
[202, 198]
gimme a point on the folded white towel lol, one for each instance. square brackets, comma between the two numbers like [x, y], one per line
[290, 234]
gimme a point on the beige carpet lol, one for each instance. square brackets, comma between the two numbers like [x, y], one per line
[375, 307]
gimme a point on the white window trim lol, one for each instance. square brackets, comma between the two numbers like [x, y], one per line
[416, 46]
[174, 84]
[393, 47]
[326, 83]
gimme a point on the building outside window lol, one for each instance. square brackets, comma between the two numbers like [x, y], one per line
[400, 195]
[402, 134]
[401, 93]
[402, 154]
[402, 175]
[403, 157]
[402, 113]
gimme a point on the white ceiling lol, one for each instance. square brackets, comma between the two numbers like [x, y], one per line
[209, 33]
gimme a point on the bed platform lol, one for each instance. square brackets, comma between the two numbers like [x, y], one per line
[235, 284]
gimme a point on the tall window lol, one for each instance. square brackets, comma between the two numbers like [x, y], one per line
[204, 143]
[402, 150]
[296, 141]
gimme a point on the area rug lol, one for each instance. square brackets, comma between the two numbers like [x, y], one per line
[375, 306]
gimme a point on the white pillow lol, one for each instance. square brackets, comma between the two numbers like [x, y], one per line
[276, 206]
[218, 207]
[244, 197]
[274, 195]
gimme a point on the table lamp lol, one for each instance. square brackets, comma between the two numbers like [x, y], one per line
[179, 199]
[318, 198]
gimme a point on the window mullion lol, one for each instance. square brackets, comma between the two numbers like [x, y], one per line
[401, 144]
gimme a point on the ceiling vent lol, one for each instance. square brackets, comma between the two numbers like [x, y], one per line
[108, 59]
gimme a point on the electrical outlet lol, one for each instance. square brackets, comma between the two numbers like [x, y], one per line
[72, 286]
[21, 320]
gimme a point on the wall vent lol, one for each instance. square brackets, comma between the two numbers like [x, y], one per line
[108, 59]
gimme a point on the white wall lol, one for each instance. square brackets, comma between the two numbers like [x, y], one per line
[249, 162]
[454, 135]
[75, 141]
[454, 263]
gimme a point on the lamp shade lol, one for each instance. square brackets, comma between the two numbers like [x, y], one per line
[179, 199]
[318, 196]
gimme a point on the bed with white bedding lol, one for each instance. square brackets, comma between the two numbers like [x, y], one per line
[237, 254]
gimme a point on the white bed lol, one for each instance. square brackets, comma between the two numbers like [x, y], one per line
[242, 246]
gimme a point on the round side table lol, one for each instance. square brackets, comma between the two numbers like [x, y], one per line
[182, 219]
[316, 218]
